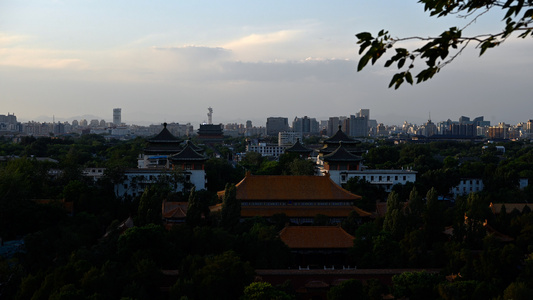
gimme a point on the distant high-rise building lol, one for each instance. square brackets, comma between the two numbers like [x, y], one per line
[464, 120]
[305, 125]
[333, 125]
[358, 126]
[276, 125]
[117, 116]
[364, 113]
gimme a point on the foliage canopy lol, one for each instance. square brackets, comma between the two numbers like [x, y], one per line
[440, 50]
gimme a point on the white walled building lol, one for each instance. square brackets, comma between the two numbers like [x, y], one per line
[288, 138]
[266, 149]
[383, 178]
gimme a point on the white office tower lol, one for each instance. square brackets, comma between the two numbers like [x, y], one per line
[117, 118]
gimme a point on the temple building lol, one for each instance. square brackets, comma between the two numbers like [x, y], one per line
[191, 164]
[317, 245]
[341, 159]
[211, 133]
[300, 198]
[180, 161]
[299, 149]
[159, 148]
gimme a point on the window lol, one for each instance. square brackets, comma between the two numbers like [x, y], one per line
[404, 178]
[388, 178]
[396, 177]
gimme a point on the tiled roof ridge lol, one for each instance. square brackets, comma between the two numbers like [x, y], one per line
[188, 153]
[341, 154]
[164, 136]
[298, 147]
[340, 136]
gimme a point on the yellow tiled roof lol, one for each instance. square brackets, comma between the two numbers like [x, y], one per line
[316, 237]
[255, 187]
[174, 210]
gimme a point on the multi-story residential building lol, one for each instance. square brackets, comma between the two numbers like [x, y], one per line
[266, 149]
[288, 138]
[475, 185]
[275, 125]
[333, 125]
[305, 125]
[117, 116]
[358, 126]
[9, 123]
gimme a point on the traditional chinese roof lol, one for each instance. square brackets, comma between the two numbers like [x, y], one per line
[164, 136]
[340, 136]
[509, 207]
[300, 211]
[298, 148]
[194, 147]
[174, 210]
[284, 187]
[163, 143]
[316, 237]
[187, 154]
[341, 154]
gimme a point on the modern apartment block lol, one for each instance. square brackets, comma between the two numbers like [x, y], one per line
[275, 125]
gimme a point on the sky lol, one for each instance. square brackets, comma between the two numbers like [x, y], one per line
[168, 61]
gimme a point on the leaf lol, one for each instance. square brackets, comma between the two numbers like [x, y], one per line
[364, 36]
[401, 63]
[409, 77]
[362, 62]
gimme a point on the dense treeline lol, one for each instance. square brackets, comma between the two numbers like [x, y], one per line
[93, 254]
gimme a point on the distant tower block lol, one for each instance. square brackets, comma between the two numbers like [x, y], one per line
[210, 116]
[117, 118]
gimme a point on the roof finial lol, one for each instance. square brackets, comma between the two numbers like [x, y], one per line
[165, 125]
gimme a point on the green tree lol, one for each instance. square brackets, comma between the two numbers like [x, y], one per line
[433, 218]
[224, 276]
[301, 167]
[149, 210]
[198, 208]
[440, 50]
[230, 214]
[416, 285]
[264, 291]
[347, 290]
[518, 291]
[395, 220]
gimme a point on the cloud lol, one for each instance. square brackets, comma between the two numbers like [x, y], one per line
[254, 40]
[39, 59]
[6, 39]
[200, 53]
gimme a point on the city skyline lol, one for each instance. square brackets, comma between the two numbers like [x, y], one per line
[167, 61]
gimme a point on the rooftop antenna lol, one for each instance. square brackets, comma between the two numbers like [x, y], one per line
[210, 116]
